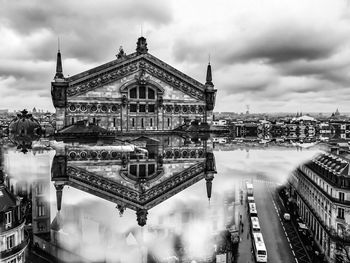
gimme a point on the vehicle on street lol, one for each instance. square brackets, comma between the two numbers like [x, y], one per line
[252, 210]
[259, 248]
[255, 225]
[286, 216]
[250, 199]
[250, 189]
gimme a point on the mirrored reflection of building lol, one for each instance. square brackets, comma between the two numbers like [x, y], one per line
[13, 238]
[137, 176]
[321, 189]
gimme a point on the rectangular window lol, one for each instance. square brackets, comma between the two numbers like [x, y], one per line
[133, 93]
[142, 92]
[168, 122]
[142, 170]
[151, 169]
[41, 226]
[133, 169]
[142, 124]
[341, 197]
[113, 122]
[8, 216]
[142, 108]
[39, 189]
[341, 213]
[133, 108]
[151, 108]
[133, 122]
[41, 209]
[151, 122]
[10, 241]
[94, 120]
[151, 94]
[73, 120]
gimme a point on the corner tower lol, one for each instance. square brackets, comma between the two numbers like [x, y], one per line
[210, 95]
[59, 87]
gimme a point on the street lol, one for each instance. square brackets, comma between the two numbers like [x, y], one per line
[277, 245]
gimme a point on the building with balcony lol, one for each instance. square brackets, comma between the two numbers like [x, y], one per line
[13, 238]
[132, 93]
[321, 189]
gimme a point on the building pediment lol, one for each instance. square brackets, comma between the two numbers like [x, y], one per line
[132, 64]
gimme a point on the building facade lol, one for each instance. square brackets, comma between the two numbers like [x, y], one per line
[13, 239]
[321, 189]
[132, 93]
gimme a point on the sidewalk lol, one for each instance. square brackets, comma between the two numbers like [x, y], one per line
[245, 254]
[311, 248]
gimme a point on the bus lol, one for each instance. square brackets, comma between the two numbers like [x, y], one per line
[250, 189]
[250, 199]
[255, 226]
[259, 248]
[252, 210]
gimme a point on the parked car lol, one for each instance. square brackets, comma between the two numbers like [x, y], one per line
[286, 216]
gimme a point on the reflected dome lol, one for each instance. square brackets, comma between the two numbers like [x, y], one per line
[25, 125]
[24, 129]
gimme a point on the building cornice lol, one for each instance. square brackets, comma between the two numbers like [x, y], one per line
[110, 72]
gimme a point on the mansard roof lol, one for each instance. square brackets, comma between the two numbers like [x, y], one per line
[333, 163]
[130, 59]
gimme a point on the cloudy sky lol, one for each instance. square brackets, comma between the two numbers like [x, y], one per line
[274, 55]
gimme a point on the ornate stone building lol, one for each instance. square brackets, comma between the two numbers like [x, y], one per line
[135, 92]
[135, 178]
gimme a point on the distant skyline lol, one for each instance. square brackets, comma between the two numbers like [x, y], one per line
[273, 55]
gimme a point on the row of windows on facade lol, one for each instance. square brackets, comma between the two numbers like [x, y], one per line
[314, 196]
[9, 216]
[139, 107]
[322, 184]
[313, 224]
[11, 242]
[330, 176]
[317, 228]
[184, 153]
[132, 122]
[142, 92]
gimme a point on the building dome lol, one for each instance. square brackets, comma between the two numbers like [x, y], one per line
[24, 124]
[24, 129]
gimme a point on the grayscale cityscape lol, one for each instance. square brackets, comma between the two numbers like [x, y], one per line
[173, 131]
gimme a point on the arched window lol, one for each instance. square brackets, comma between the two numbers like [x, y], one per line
[142, 92]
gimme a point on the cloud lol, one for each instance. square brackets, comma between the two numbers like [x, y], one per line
[87, 29]
[279, 55]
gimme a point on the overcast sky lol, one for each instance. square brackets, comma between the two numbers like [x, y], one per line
[273, 55]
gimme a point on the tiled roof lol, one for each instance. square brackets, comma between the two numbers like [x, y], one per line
[7, 200]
